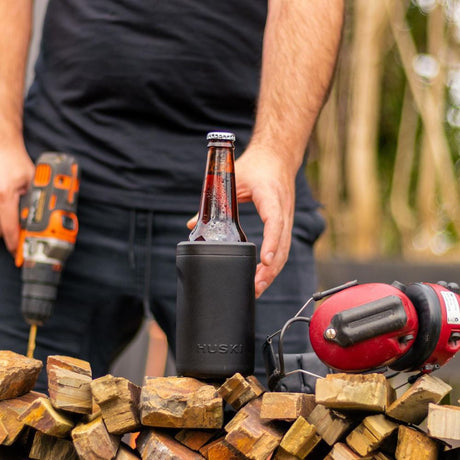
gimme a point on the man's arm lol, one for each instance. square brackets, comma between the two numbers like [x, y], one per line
[15, 164]
[301, 42]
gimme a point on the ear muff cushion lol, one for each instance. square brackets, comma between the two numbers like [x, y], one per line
[428, 307]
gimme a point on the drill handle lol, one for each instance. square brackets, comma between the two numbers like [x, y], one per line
[48, 209]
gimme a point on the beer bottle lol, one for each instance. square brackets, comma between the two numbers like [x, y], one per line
[218, 218]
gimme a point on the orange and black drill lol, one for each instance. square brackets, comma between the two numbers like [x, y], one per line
[49, 228]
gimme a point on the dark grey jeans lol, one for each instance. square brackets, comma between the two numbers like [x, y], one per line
[124, 265]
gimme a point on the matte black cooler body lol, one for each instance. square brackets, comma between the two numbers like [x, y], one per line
[215, 309]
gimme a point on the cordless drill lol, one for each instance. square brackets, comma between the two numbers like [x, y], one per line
[48, 230]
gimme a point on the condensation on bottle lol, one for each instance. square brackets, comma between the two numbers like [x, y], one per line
[218, 218]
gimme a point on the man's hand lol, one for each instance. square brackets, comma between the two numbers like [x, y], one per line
[263, 178]
[16, 167]
[14, 182]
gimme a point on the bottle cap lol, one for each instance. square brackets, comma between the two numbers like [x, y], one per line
[221, 136]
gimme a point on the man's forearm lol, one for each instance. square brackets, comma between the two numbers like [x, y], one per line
[15, 31]
[300, 47]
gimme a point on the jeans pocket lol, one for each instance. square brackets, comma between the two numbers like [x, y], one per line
[308, 225]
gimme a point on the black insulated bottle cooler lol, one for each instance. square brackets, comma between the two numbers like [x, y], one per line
[215, 309]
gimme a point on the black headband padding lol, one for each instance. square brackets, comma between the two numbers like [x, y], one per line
[428, 307]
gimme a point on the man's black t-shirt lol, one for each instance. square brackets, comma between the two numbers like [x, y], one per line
[132, 87]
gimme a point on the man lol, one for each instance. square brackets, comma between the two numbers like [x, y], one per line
[130, 89]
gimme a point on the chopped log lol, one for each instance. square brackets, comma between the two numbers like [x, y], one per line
[41, 445]
[220, 449]
[153, 444]
[205, 448]
[361, 440]
[46, 447]
[415, 445]
[299, 441]
[126, 453]
[118, 399]
[380, 456]
[18, 374]
[237, 390]
[10, 410]
[363, 392]
[341, 451]
[69, 384]
[95, 413]
[444, 423]
[180, 402]
[370, 434]
[42, 416]
[92, 441]
[194, 439]
[253, 437]
[331, 425]
[258, 430]
[286, 406]
[256, 384]
[379, 426]
[76, 365]
[412, 405]
[3, 432]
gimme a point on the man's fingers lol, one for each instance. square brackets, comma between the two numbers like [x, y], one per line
[192, 222]
[265, 274]
[264, 277]
[273, 215]
[9, 224]
[20, 171]
[273, 229]
[276, 213]
[274, 257]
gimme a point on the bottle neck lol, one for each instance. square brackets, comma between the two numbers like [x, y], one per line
[219, 197]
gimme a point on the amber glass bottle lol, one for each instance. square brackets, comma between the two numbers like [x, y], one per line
[218, 218]
[215, 312]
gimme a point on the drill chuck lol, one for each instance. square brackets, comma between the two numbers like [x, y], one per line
[41, 273]
[39, 291]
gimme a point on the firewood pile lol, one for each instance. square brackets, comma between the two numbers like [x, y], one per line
[351, 416]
